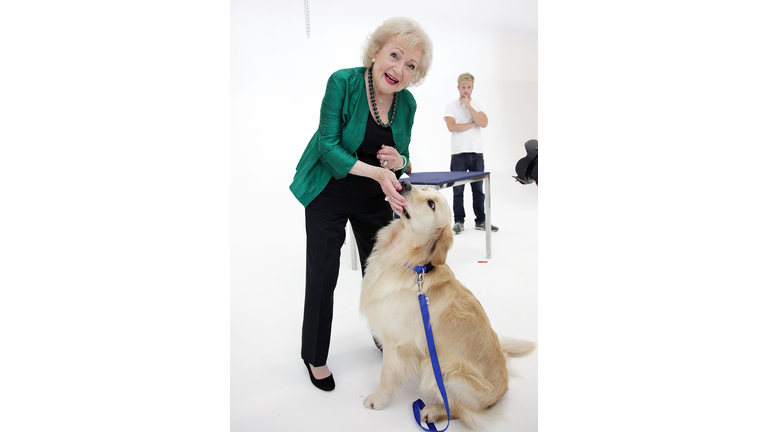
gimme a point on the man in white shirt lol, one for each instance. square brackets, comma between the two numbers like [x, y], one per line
[464, 117]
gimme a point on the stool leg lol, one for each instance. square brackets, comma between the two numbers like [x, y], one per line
[488, 216]
[352, 245]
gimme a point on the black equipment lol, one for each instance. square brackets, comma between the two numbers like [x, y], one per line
[527, 168]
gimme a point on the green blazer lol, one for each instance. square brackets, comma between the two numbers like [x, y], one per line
[332, 151]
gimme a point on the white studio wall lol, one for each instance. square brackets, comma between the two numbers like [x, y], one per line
[278, 79]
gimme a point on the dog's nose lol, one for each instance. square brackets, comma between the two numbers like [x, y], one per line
[406, 187]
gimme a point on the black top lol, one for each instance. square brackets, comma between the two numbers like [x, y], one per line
[355, 194]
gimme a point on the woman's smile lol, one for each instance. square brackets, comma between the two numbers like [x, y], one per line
[390, 79]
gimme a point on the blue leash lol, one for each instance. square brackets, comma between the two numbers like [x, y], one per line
[418, 405]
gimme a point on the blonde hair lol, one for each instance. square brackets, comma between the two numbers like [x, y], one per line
[410, 34]
[466, 76]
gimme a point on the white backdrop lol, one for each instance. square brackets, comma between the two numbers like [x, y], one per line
[278, 78]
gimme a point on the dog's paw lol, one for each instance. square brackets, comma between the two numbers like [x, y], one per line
[375, 402]
[433, 413]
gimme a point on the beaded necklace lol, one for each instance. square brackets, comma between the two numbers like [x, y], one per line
[373, 103]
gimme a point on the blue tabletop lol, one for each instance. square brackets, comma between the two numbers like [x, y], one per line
[436, 178]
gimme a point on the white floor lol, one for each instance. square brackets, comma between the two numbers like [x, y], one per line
[270, 389]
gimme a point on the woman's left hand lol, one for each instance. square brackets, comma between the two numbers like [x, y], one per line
[389, 157]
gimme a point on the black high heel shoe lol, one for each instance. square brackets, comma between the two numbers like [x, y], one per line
[326, 384]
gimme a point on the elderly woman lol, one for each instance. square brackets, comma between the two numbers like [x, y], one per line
[349, 170]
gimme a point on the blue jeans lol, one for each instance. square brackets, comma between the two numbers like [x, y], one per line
[468, 162]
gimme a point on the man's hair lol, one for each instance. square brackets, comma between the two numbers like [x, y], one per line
[466, 76]
[410, 34]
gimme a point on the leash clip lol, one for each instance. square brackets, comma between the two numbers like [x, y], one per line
[419, 281]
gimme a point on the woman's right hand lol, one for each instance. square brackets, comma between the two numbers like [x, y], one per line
[390, 186]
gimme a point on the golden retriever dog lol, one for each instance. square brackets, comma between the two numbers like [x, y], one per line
[472, 358]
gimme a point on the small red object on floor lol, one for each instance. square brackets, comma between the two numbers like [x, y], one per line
[482, 262]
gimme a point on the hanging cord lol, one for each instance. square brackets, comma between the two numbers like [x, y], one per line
[306, 16]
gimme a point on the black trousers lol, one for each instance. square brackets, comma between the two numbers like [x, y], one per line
[325, 237]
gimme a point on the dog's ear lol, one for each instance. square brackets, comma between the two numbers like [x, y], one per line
[442, 240]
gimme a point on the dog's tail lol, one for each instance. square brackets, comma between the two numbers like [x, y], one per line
[516, 347]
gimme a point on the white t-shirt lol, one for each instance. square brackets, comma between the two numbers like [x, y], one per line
[468, 141]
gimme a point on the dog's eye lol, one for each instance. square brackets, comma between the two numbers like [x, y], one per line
[431, 204]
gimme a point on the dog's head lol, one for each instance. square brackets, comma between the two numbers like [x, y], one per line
[427, 221]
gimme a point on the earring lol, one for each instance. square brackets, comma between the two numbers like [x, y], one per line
[373, 61]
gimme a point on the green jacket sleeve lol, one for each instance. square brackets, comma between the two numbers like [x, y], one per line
[336, 158]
